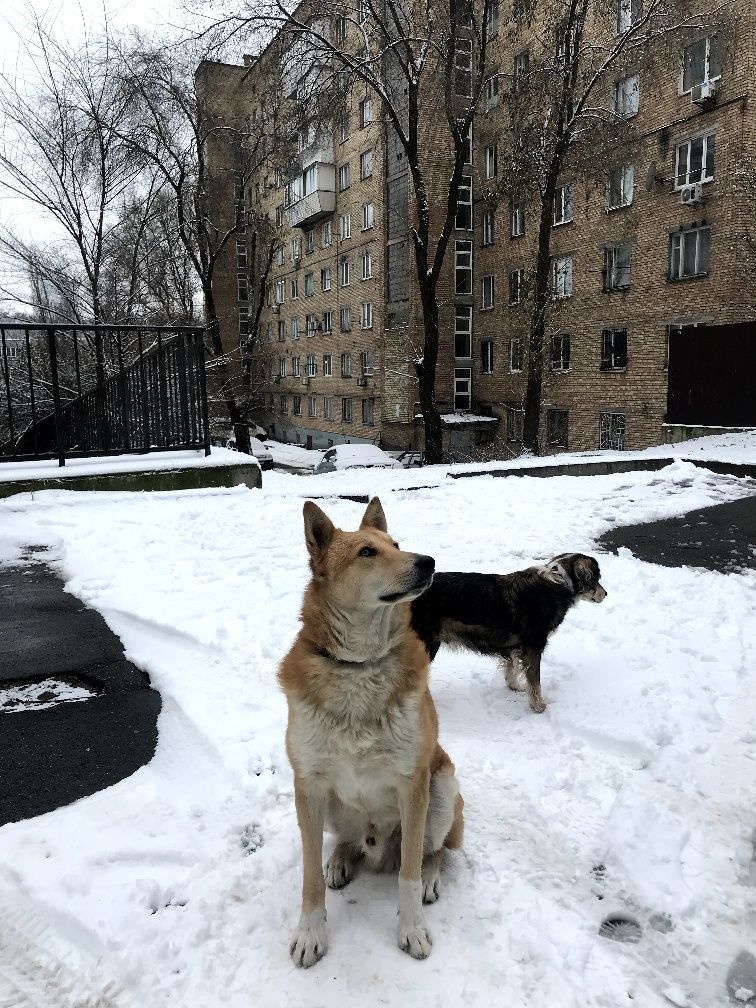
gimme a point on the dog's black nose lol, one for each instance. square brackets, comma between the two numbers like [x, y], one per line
[425, 564]
[370, 841]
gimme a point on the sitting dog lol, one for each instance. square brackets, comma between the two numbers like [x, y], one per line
[362, 734]
[507, 615]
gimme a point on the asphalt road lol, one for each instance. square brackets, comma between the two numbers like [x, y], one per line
[56, 755]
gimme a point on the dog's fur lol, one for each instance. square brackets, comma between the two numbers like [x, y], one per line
[509, 616]
[362, 733]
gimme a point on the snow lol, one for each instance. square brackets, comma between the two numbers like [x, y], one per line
[104, 465]
[293, 456]
[38, 695]
[633, 794]
[459, 418]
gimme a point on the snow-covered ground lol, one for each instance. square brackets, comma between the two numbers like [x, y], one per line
[634, 793]
[103, 465]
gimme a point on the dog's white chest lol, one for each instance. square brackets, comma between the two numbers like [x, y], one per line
[358, 755]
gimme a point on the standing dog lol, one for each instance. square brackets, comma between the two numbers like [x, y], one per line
[507, 615]
[362, 734]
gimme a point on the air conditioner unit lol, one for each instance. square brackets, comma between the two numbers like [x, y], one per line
[691, 194]
[276, 309]
[704, 94]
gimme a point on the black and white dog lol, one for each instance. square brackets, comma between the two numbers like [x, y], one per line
[510, 616]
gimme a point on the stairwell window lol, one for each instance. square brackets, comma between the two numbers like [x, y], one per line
[463, 267]
[515, 354]
[561, 276]
[462, 332]
[515, 421]
[491, 157]
[462, 388]
[694, 161]
[516, 285]
[488, 293]
[489, 224]
[463, 67]
[617, 267]
[689, 253]
[701, 63]
[560, 352]
[614, 350]
[562, 213]
[486, 356]
[463, 220]
[619, 190]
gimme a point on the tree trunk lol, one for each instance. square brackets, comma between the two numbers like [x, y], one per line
[236, 415]
[426, 374]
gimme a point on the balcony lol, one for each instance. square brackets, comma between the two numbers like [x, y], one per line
[319, 182]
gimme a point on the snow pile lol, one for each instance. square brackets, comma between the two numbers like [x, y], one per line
[633, 794]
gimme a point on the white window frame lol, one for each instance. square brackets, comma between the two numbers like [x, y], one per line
[621, 183]
[516, 285]
[368, 216]
[489, 228]
[563, 204]
[326, 278]
[367, 314]
[614, 270]
[345, 277]
[491, 157]
[627, 96]
[612, 431]
[487, 356]
[561, 276]
[345, 226]
[367, 265]
[312, 406]
[708, 144]
[366, 112]
[678, 240]
[327, 365]
[295, 328]
[516, 220]
[463, 58]
[296, 367]
[326, 234]
[628, 14]
[328, 407]
[345, 179]
[491, 90]
[366, 163]
[560, 363]
[708, 77]
[366, 363]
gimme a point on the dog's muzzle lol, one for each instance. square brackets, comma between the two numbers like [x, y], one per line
[599, 594]
[423, 569]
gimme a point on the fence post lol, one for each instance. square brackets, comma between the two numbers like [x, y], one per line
[59, 441]
[200, 337]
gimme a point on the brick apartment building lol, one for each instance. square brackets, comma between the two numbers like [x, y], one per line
[652, 248]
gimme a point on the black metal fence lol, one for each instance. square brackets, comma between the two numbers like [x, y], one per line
[78, 391]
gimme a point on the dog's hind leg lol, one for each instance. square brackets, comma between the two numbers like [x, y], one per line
[532, 657]
[511, 666]
[431, 876]
[339, 869]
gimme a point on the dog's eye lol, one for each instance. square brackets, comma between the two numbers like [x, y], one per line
[396, 545]
[368, 551]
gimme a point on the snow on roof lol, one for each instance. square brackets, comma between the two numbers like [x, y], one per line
[455, 418]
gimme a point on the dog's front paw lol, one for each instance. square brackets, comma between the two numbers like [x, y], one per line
[537, 704]
[414, 938]
[310, 941]
[339, 869]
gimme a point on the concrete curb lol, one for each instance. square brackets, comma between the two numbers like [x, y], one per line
[608, 468]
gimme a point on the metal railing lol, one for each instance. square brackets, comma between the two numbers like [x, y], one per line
[80, 391]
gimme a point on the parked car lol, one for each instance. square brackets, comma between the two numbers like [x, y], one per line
[256, 448]
[412, 459]
[355, 456]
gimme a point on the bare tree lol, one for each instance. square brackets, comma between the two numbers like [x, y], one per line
[426, 65]
[571, 107]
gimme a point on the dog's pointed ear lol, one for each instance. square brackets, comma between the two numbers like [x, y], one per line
[585, 575]
[374, 516]
[319, 528]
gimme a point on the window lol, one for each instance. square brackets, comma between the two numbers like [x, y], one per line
[628, 14]
[614, 350]
[627, 96]
[327, 408]
[366, 111]
[345, 225]
[294, 288]
[327, 321]
[491, 159]
[346, 410]
[492, 22]
[462, 388]
[280, 255]
[702, 62]
[367, 412]
[612, 431]
[282, 367]
[515, 354]
[491, 91]
[486, 356]
[326, 234]
[281, 330]
[516, 220]
[342, 127]
[346, 365]
[280, 291]
[560, 352]
[563, 204]
[368, 216]
[463, 67]
[619, 190]
[468, 146]
[367, 265]
[309, 284]
[694, 161]
[279, 216]
[327, 365]
[366, 164]
[516, 285]
[309, 241]
[566, 41]
[515, 419]
[284, 404]
[689, 253]
[344, 177]
[367, 314]
[463, 267]
[296, 249]
[325, 278]
[363, 10]
[344, 278]
[297, 410]
[296, 370]
[312, 365]
[464, 217]
[488, 227]
[295, 328]
[312, 406]
[312, 324]
[521, 67]
[366, 363]
[462, 331]
[345, 318]
[556, 428]
[617, 267]
[561, 276]
[488, 292]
